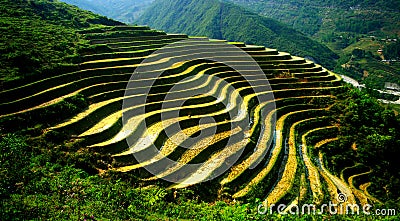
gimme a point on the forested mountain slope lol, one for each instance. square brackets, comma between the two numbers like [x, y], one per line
[222, 20]
[312, 17]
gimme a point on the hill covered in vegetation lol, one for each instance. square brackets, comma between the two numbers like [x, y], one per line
[63, 133]
[222, 20]
[45, 37]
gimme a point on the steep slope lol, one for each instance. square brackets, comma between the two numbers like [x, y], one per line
[223, 20]
[122, 10]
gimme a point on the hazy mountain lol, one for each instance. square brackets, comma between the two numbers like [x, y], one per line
[223, 20]
[121, 10]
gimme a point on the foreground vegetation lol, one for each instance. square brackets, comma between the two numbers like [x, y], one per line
[375, 144]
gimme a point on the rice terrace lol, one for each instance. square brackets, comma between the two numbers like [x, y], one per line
[142, 122]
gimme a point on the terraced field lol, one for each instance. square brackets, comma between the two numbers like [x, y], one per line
[274, 156]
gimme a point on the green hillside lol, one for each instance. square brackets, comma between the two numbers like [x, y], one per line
[223, 20]
[44, 39]
[76, 145]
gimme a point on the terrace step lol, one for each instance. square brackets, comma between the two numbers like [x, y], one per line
[139, 38]
[276, 153]
[113, 28]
